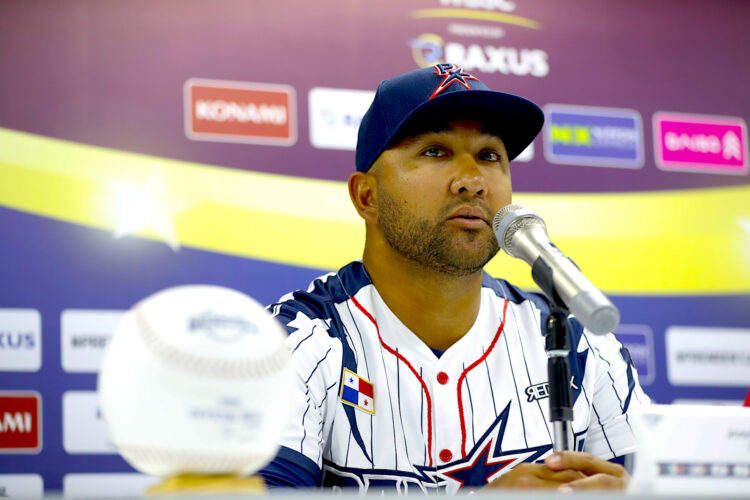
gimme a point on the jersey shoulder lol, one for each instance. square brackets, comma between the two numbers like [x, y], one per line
[322, 296]
[505, 290]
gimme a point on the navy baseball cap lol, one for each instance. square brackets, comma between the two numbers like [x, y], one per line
[441, 93]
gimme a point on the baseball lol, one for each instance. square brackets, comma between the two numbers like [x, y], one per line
[197, 379]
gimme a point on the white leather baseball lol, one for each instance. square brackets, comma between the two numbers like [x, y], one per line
[196, 379]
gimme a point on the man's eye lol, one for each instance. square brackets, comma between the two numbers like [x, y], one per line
[489, 156]
[434, 152]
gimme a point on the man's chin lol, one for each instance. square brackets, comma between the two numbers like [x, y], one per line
[467, 261]
[475, 249]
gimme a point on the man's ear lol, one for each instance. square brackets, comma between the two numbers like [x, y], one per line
[363, 192]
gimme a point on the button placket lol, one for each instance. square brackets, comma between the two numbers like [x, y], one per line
[446, 426]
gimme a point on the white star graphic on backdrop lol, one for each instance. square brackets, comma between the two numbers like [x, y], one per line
[146, 207]
[744, 224]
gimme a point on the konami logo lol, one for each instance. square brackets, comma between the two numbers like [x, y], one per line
[20, 422]
[255, 113]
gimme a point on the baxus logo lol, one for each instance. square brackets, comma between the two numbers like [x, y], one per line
[255, 113]
[20, 422]
[494, 21]
[429, 49]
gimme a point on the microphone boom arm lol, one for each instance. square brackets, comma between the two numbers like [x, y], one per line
[523, 234]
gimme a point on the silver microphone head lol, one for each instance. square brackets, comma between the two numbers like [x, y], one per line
[595, 311]
[509, 220]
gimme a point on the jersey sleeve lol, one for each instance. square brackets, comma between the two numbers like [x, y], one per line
[291, 468]
[617, 394]
[316, 361]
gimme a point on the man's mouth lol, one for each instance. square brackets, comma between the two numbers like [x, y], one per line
[469, 217]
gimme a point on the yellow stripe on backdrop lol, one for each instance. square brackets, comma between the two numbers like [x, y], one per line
[642, 243]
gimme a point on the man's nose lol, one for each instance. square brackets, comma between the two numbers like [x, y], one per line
[468, 179]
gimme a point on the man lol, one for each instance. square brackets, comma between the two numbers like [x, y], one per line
[417, 370]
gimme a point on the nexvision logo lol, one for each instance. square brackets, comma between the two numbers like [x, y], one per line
[221, 327]
[595, 136]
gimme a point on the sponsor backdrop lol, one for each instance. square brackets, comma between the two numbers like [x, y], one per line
[149, 144]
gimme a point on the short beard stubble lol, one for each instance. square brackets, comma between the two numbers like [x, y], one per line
[431, 244]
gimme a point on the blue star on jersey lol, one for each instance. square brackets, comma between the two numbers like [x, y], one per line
[479, 472]
[483, 464]
[452, 74]
[486, 461]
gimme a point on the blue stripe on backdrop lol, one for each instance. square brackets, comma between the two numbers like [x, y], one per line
[659, 313]
[52, 266]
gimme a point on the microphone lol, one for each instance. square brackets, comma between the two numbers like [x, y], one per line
[522, 234]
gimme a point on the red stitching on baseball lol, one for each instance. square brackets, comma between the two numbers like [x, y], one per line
[271, 364]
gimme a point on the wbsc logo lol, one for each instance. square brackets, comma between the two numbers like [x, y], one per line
[217, 326]
[20, 422]
[700, 143]
[254, 113]
[592, 136]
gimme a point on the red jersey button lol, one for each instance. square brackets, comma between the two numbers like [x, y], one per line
[443, 379]
[446, 455]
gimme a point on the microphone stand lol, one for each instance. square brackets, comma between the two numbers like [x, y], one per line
[557, 345]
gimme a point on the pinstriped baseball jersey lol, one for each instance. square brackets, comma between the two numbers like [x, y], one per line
[377, 408]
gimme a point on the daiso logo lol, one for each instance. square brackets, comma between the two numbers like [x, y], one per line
[699, 143]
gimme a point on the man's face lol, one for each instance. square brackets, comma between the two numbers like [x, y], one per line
[437, 193]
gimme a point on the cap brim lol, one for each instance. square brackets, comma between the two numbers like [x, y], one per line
[517, 121]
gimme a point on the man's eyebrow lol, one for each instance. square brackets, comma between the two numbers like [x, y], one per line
[434, 129]
[440, 129]
[409, 139]
[425, 129]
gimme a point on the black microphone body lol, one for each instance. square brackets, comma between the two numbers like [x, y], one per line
[522, 234]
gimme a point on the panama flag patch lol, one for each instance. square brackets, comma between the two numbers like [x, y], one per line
[357, 392]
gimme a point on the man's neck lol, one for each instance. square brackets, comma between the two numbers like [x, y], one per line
[438, 307]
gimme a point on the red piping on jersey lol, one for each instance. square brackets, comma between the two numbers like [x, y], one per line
[466, 371]
[401, 358]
